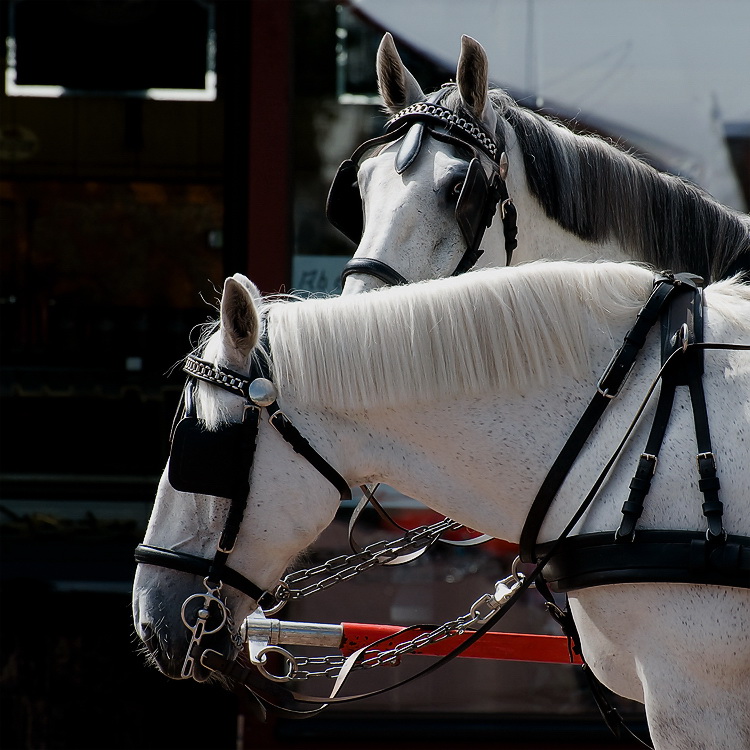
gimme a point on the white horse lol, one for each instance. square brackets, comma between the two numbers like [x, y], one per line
[577, 196]
[462, 391]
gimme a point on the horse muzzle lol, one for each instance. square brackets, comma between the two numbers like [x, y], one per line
[177, 646]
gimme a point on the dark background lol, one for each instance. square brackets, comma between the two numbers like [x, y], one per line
[119, 218]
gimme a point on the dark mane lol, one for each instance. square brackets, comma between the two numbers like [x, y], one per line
[596, 191]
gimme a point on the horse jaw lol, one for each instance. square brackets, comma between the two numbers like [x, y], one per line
[396, 85]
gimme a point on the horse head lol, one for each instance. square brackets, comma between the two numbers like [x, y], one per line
[429, 188]
[218, 508]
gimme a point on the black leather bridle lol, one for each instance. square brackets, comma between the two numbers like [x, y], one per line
[478, 199]
[219, 463]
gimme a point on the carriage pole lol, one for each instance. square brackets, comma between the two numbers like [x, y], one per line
[349, 637]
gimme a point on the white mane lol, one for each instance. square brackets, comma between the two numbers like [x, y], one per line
[508, 328]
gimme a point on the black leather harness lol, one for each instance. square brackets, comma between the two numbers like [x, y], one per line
[219, 463]
[477, 202]
[626, 555]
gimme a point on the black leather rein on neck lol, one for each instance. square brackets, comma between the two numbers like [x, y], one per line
[609, 386]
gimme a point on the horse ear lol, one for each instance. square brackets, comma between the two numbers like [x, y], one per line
[397, 86]
[240, 321]
[472, 77]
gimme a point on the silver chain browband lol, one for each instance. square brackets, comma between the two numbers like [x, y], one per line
[210, 373]
[427, 110]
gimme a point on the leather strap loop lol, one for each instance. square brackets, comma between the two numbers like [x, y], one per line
[373, 267]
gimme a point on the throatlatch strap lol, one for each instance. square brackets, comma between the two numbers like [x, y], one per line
[280, 422]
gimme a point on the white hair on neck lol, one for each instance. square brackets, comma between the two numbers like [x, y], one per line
[508, 328]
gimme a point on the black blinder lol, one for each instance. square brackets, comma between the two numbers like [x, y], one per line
[344, 203]
[470, 208]
[208, 462]
[410, 147]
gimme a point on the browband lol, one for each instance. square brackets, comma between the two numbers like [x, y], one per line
[435, 113]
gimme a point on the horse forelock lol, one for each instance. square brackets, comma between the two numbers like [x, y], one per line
[599, 192]
[513, 328]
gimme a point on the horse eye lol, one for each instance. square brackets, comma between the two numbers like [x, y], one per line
[457, 188]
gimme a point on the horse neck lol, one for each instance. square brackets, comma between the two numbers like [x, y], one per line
[465, 457]
[539, 235]
[615, 207]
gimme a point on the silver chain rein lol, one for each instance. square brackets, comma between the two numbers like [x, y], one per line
[344, 567]
[303, 667]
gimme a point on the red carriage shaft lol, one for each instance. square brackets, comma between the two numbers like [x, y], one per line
[549, 649]
[348, 637]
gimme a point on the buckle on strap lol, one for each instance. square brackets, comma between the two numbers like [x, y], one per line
[706, 462]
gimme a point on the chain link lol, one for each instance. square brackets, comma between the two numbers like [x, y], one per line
[479, 612]
[344, 567]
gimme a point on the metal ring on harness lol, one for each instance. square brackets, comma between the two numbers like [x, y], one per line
[261, 659]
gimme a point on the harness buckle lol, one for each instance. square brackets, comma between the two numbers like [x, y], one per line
[225, 548]
[651, 459]
[604, 391]
[706, 456]
[504, 205]
[618, 370]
